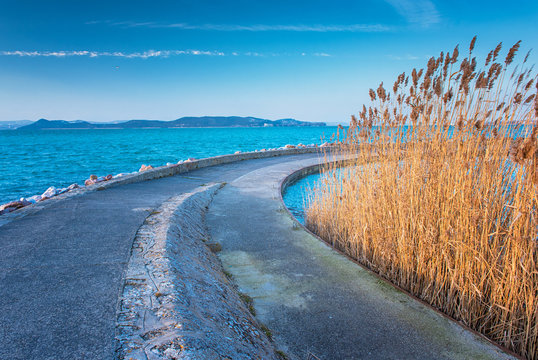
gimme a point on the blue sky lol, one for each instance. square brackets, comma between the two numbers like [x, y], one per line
[310, 60]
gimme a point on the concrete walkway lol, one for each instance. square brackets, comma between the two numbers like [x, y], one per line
[63, 269]
[315, 301]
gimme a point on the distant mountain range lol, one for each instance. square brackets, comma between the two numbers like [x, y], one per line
[184, 122]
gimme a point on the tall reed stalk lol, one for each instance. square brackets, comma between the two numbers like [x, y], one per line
[442, 197]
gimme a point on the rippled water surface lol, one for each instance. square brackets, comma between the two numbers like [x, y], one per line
[31, 161]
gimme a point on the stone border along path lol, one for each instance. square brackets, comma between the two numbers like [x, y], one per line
[177, 302]
[65, 268]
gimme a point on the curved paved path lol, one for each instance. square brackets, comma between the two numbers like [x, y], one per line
[314, 300]
[62, 271]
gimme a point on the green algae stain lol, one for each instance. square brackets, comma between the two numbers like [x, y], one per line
[254, 278]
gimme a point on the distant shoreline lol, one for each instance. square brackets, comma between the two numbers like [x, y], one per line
[182, 127]
[181, 123]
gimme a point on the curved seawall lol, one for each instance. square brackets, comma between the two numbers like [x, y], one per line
[73, 275]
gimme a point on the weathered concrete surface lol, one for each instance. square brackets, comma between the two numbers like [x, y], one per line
[62, 267]
[177, 303]
[314, 300]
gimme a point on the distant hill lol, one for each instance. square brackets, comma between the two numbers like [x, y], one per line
[184, 122]
[11, 125]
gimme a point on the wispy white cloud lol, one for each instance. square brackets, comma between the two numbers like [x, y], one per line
[416, 12]
[141, 55]
[134, 55]
[251, 28]
[402, 57]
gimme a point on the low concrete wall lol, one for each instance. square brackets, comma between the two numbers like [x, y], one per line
[164, 171]
[309, 170]
[156, 173]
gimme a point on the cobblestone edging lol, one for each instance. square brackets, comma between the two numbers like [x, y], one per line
[156, 173]
[177, 303]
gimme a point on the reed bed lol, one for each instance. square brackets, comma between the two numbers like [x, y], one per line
[442, 197]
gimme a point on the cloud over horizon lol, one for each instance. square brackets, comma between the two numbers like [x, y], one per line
[143, 55]
[250, 28]
[403, 57]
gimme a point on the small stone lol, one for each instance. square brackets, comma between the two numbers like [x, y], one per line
[25, 202]
[34, 199]
[172, 353]
[145, 168]
[92, 180]
[14, 205]
[214, 247]
[50, 192]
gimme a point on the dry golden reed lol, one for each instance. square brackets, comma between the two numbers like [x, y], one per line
[442, 197]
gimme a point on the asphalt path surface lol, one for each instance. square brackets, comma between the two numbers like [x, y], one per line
[62, 268]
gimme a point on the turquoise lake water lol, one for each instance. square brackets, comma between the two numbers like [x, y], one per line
[296, 195]
[31, 161]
